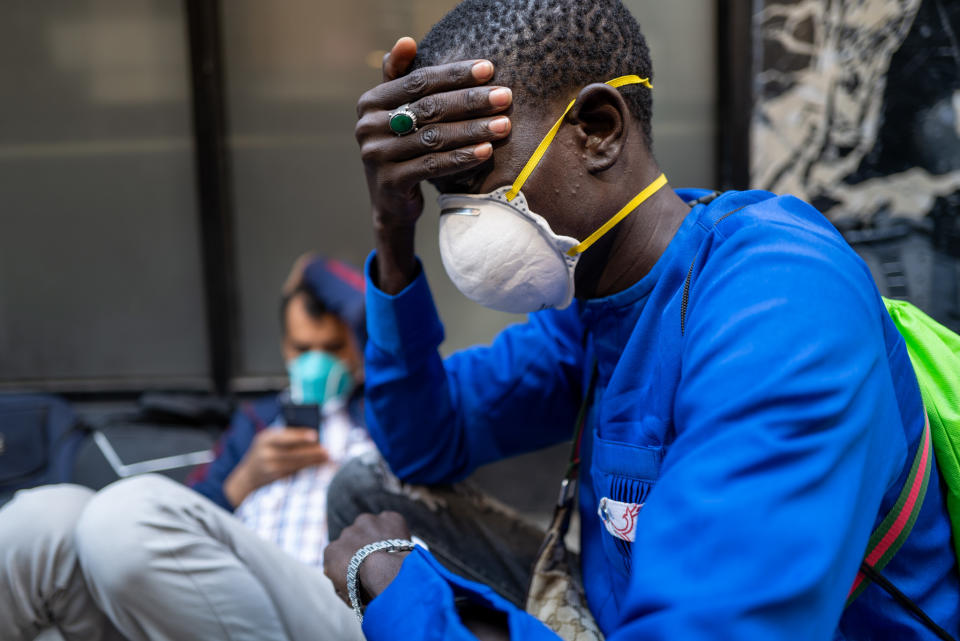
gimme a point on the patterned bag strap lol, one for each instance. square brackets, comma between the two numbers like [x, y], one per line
[569, 483]
[893, 531]
[555, 594]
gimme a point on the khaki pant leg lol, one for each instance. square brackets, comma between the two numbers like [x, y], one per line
[41, 583]
[167, 564]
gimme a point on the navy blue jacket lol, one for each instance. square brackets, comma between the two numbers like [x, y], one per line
[249, 419]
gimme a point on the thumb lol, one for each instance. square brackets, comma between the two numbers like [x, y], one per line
[396, 63]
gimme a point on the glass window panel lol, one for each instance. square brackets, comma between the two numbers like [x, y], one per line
[99, 259]
[295, 69]
[683, 44]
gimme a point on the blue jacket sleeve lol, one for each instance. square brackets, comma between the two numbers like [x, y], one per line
[231, 448]
[420, 605]
[435, 421]
[787, 436]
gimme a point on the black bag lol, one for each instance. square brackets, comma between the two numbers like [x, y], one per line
[39, 439]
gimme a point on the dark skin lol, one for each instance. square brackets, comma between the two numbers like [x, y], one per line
[597, 163]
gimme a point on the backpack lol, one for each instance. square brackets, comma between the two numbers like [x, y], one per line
[39, 440]
[935, 354]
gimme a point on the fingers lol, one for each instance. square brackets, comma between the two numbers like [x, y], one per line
[447, 142]
[461, 104]
[398, 60]
[437, 137]
[447, 136]
[450, 106]
[376, 527]
[305, 456]
[290, 437]
[434, 165]
[426, 81]
[288, 461]
[455, 115]
[393, 522]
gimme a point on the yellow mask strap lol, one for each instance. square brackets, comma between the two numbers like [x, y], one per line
[638, 200]
[545, 143]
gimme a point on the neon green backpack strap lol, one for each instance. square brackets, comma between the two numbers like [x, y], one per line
[935, 354]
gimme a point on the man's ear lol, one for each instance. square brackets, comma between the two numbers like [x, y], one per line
[601, 115]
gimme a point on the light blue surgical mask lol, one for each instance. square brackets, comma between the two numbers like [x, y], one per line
[318, 377]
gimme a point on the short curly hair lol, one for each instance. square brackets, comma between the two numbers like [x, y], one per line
[548, 48]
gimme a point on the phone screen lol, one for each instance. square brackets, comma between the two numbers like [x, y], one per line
[301, 415]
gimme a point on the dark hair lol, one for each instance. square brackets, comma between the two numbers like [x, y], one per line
[548, 48]
[316, 308]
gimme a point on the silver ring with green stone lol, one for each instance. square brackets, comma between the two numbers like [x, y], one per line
[403, 121]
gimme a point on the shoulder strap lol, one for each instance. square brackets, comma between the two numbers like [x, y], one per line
[568, 485]
[893, 531]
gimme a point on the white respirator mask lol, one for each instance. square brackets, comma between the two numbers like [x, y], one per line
[504, 256]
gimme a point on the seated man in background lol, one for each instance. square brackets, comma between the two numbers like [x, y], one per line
[274, 480]
[149, 559]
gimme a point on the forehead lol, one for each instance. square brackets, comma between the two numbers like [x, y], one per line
[304, 327]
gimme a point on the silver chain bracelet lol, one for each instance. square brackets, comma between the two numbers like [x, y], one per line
[390, 545]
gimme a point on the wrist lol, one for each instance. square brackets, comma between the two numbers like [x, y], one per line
[388, 555]
[378, 572]
[396, 263]
[237, 486]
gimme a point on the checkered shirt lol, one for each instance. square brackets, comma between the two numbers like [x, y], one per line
[292, 512]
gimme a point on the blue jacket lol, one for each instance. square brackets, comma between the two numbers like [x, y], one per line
[752, 393]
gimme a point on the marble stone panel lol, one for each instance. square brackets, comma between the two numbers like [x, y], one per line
[857, 110]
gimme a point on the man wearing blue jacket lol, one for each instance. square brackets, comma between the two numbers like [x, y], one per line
[754, 415]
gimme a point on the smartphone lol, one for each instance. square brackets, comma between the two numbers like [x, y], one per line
[301, 415]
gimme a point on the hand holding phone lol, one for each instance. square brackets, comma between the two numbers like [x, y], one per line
[274, 454]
